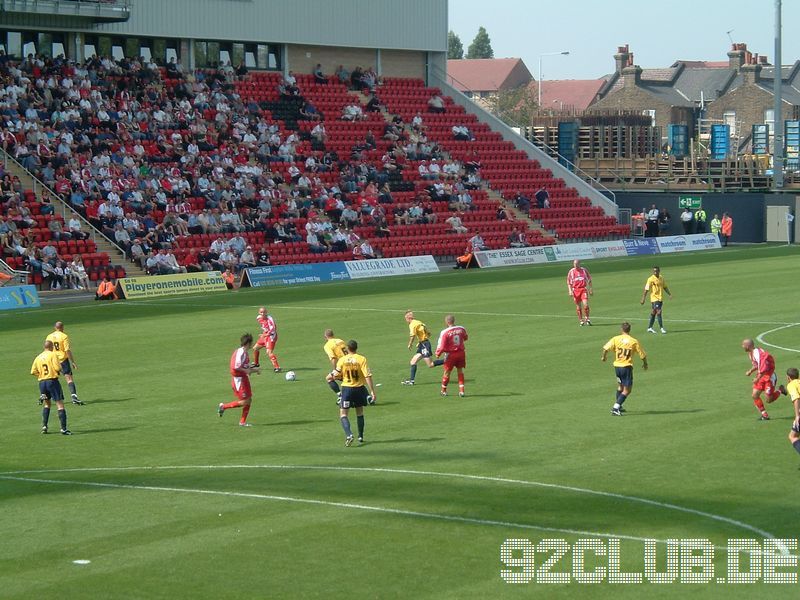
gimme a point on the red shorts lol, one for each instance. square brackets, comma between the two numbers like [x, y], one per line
[766, 383]
[243, 392]
[580, 296]
[455, 360]
[266, 341]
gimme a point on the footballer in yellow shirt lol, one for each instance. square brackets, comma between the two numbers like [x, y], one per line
[417, 330]
[46, 368]
[793, 389]
[63, 351]
[356, 380]
[334, 349]
[656, 285]
[623, 346]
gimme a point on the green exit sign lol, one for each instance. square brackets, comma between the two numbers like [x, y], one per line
[693, 202]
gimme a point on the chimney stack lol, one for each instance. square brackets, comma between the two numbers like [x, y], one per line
[631, 76]
[737, 56]
[622, 58]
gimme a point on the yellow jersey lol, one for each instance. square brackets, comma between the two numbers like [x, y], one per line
[354, 370]
[793, 389]
[335, 348]
[60, 344]
[624, 346]
[655, 285]
[418, 329]
[46, 366]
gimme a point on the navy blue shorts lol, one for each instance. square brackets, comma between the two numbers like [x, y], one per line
[424, 348]
[51, 389]
[353, 397]
[795, 428]
[656, 305]
[66, 368]
[624, 376]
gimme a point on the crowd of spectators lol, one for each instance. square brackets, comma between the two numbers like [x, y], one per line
[150, 155]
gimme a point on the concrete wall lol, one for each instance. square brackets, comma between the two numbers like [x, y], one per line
[747, 210]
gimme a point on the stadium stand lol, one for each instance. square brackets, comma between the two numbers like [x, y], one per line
[155, 160]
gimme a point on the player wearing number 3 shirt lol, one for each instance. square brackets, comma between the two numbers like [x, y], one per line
[579, 286]
[451, 341]
[624, 346]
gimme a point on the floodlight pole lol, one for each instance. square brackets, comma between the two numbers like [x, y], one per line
[777, 92]
[539, 100]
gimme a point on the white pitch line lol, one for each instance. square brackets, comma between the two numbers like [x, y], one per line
[760, 338]
[579, 490]
[348, 505]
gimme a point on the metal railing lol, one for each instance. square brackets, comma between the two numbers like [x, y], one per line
[20, 277]
[580, 174]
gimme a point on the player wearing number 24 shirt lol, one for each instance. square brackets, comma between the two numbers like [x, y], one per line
[624, 346]
[451, 341]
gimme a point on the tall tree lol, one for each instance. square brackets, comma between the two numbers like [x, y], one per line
[481, 46]
[455, 49]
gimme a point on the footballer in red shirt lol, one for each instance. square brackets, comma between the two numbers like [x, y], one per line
[451, 342]
[579, 286]
[267, 339]
[240, 380]
[764, 367]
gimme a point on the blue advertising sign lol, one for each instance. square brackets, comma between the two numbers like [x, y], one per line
[637, 246]
[295, 274]
[18, 296]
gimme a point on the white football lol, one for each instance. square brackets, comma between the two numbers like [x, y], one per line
[290, 376]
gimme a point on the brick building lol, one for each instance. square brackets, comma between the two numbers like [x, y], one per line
[748, 98]
[482, 79]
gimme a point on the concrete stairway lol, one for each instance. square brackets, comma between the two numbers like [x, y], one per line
[103, 244]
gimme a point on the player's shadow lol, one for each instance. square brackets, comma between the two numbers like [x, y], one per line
[641, 413]
[108, 400]
[406, 441]
[102, 430]
[290, 423]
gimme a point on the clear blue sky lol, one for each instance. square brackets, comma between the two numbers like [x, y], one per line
[658, 32]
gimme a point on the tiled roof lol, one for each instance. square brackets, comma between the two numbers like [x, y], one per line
[575, 94]
[486, 74]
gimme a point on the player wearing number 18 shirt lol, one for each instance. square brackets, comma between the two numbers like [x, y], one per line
[356, 379]
[451, 341]
[63, 351]
[624, 346]
[579, 286]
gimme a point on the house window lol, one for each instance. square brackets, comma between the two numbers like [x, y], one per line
[769, 119]
[652, 114]
[729, 118]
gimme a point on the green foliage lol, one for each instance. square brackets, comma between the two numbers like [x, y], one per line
[517, 107]
[481, 46]
[455, 49]
[536, 410]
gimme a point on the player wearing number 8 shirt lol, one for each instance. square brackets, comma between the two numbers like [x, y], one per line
[46, 368]
[63, 351]
[579, 286]
[356, 378]
[624, 346]
[451, 341]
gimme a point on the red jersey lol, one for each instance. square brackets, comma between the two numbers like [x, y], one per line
[452, 340]
[578, 279]
[239, 359]
[762, 361]
[268, 327]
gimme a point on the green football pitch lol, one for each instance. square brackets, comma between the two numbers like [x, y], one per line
[164, 499]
